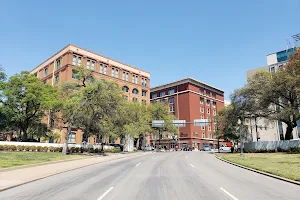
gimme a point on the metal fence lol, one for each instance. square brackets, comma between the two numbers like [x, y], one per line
[272, 145]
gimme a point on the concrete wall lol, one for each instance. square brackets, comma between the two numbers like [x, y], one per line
[272, 145]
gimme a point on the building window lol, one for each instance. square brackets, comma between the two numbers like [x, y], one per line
[203, 135]
[105, 70]
[202, 116]
[125, 88]
[214, 104]
[72, 138]
[126, 76]
[213, 95]
[201, 100]
[135, 91]
[133, 78]
[201, 91]
[88, 64]
[134, 99]
[280, 66]
[162, 94]
[144, 82]
[136, 79]
[144, 93]
[74, 73]
[56, 78]
[58, 64]
[207, 93]
[46, 71]
[210, 136]
[202, 109]
[272, 69]
[153, 96]
[117, 73]
[209, 127]
[170, 92]
[203, 127]
[214, 112]
[208, 111]
[125, 97]
[74, 60]
[112, 72]
[79, 61]
[123, 75]
[172, 109]
[101, 68]
[171, 100]
[93, 66]
[207, 102]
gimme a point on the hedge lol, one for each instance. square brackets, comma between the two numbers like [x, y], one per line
[54, 149]
[289, 150]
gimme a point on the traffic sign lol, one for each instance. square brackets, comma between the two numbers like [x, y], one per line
[179, 123]
[200, 122]
[158, 123]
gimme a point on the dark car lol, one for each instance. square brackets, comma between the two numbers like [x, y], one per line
[187, 149]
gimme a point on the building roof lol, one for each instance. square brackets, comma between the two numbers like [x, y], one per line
[186, 80]
[71, 47]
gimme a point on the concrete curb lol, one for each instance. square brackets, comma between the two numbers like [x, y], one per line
[13, 186]
[260, 172]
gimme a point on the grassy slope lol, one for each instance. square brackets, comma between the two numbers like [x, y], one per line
[281, 164]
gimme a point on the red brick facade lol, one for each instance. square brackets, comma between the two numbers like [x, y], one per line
[191, 100]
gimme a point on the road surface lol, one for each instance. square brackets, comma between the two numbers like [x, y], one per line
[158, 176]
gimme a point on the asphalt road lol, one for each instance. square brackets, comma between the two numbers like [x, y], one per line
[158, 176]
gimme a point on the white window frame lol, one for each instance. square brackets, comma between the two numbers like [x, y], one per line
[203, 135]
[207, 100]
[201, 91]
[88, 63]
[74, 60]
[105, 69]
[203, 127]
[143, 91]
[133, 79]
[214, 112]
[209, 127]
[79, 61]
[164, 94]
[136, 79]
[172, 101]
[172, 109]
[123, 75]
[208, 110]
[202, 109]
[172, 91]
[93, 66]
[127, 76]
[72, 138]
[202, 116]
[113, 72]
[153, 96]
[117, 73]
[57, 63]
[101, 68]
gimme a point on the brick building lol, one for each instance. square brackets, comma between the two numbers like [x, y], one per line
[134, 82]
[190, 99]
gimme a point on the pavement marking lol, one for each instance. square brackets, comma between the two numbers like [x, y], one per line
[105, 193]
[185, 156]
[192, 165]
[233, 197]
[138, 164]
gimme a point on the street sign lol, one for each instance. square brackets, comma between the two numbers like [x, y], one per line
[179, 123]
[200, 122]
[158, 123]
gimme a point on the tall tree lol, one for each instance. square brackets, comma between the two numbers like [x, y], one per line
[26, 99]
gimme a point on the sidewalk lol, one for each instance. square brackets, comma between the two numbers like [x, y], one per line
[9, 179]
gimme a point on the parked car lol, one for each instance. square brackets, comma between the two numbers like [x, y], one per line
[224, 147]
[187, 148]
[206, 148]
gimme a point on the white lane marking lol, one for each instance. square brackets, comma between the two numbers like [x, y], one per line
[105, 193]
[185, 156]
[192, 165]
[233, 197]
[138, 164]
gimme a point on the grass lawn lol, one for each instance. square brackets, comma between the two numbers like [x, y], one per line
[281, 164]
[11, 159]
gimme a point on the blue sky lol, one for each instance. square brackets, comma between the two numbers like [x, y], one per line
[213, 41]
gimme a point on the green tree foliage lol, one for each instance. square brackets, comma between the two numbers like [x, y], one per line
[26, 99]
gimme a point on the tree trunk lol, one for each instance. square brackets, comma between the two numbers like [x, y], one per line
[289, 132]
[65, 147]
[25, 136]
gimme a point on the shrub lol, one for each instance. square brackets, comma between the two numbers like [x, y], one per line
[91, 150]
[27, 148]
[5, 147]
[1, 147]
[13, 148]
[77, 149]
[116, 151]
[33, 148]
[108, 150]
[72, 150]
[39, 148]
[294, 150]
[21, 148]
[60, 149]
[45, 149]
[96, 150]
[81, 149]
[52, 149]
